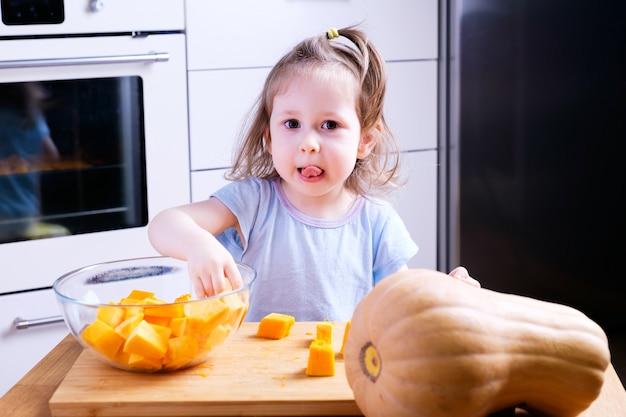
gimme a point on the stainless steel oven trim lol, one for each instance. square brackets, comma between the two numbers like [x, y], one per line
[59, 62]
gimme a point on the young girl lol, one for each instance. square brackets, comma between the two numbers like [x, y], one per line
[302, 207]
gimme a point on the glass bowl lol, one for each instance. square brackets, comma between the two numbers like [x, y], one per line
[140, 314]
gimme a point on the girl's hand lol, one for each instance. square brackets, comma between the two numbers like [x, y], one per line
[210, 267]
[462, 274]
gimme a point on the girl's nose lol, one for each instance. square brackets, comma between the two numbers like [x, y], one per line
[309, 143]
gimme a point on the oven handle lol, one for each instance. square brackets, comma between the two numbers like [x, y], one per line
[21, 324]
[89, 60]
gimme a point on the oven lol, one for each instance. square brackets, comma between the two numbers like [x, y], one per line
[93, 137]
[108, 84]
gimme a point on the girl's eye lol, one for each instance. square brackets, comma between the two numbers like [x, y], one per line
[292, 124]
[329, 124]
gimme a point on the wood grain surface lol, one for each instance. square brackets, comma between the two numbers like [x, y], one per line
[246, 376]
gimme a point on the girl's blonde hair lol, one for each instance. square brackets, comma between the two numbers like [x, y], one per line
[323, 55]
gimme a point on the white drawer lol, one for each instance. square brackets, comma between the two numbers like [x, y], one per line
[247, 33]
[20, 350]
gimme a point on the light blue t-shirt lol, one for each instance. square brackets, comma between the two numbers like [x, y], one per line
[312, 269]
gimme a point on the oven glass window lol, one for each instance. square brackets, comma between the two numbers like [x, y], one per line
[72, 157]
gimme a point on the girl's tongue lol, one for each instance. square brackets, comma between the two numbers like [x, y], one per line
[311, 171]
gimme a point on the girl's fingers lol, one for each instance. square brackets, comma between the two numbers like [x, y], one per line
[234, 276]
[462, 274]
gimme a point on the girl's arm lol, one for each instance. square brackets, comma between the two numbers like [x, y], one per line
[188, 233]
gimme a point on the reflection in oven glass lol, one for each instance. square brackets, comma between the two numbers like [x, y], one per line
[72, 157]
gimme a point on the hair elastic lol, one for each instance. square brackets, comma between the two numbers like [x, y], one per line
[332, 33]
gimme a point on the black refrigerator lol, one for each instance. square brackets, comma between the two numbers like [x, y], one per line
[533, 133]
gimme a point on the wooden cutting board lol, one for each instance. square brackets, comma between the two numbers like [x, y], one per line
[247, 376]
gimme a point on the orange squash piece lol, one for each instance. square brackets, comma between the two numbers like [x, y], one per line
[142, 362]
[125, 328]
[203, 317]
[140, 295]
[275, 326]
[164, 331]
[324, 331]
[237, 309]
[133, 311]
[178, 325]
[321, 359]
[110, 315]
[218, 335]
[103, 338]
[182, 298]
[180, 350]
[146, 341]
[153, 308]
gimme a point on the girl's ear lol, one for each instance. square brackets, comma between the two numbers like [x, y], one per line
[368, 141]
[268, 140]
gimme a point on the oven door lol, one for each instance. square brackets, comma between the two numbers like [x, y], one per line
[114, 109]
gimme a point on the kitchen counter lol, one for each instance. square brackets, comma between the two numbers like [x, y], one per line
[30, 396]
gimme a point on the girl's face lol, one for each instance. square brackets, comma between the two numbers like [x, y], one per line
[315, 138]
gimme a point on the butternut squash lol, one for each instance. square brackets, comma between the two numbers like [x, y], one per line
[422, 344]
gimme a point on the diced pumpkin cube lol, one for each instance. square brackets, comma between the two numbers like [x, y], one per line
[218, 335]
[163, 331]
[204, 316]
[345, 337]
[169, 310]
[142, 362]
[161, 321]
[321, 359]
[140, 295]
[103, 338]
[275, 326]
[180, 350]
[146, 341]
[178, 324]
[182, 298]
[325, 332]
[122, 357]
[133, 311]
[152, 301]
[237, 309]
[125, 328]
[111, 315]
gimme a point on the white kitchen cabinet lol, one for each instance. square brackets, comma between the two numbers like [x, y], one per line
[20, 350]
[219, 101]
[252, 33]
[416, 202]
[204, 183]
[411, 103]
